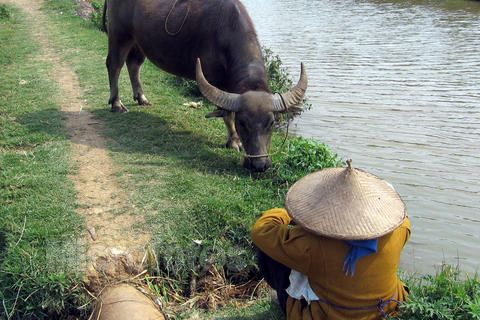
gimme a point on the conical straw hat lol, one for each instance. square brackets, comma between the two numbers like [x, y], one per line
[345, 203]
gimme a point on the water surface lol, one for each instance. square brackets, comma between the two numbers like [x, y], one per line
[395, 85]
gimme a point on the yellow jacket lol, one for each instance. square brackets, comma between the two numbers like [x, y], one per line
[321, 260]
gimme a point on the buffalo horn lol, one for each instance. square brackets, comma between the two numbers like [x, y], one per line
[225, 100]
[283, 102]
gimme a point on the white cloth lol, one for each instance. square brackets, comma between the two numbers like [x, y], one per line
[300, 287]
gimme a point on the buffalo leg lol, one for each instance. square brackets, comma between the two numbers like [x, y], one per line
[117, 55]
[135, 60]
[233, 141]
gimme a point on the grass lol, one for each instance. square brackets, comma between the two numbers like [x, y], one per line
[261, 309]
[38, 226]
[448, 295]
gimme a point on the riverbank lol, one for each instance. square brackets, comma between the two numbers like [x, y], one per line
[197, 201]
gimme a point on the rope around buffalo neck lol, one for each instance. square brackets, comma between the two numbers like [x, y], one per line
[174, 4]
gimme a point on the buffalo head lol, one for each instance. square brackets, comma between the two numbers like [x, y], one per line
[254, 114]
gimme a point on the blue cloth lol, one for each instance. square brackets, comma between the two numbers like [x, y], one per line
[358, 250]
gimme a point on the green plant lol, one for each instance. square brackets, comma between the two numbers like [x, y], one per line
[301, 157]
[442, 296]
[187, 86]
[97, 15]
[5, 12]
[30, 293]
[278, 76]
[279, 80]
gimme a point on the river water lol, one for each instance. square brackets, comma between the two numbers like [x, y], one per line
[395, 85]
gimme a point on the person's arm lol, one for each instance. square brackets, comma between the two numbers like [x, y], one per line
[408, 227]
[287, 245]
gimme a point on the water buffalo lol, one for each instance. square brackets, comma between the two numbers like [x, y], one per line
[176, 35]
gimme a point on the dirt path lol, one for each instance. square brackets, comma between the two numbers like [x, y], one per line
[114, 250]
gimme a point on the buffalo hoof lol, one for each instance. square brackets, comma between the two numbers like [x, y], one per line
[234, 144]
[119, 107]
[142, 100]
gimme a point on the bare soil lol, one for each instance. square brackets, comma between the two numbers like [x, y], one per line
[115, 251]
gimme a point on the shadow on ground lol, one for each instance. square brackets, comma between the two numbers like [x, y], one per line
[144, 133]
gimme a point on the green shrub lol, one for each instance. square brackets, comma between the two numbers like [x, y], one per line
[5, 12]
[97, 15]
[279, 80]
[301, 157]
[188, 87]
[278, 76]
[443, 296]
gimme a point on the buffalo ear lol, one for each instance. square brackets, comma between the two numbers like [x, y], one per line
[219, 113]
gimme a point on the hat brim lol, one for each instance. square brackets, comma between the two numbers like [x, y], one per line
[345, 203]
